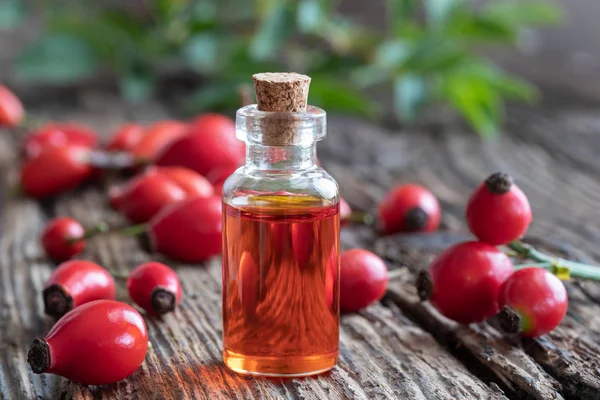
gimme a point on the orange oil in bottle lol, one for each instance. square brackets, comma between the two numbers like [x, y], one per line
[280, 285]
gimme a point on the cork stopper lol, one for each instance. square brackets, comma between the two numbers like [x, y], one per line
[281, 92]
[285, 95]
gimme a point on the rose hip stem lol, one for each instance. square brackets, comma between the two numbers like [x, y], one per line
[562, 268]
[134, 230]
[101, 227]
[360, 217]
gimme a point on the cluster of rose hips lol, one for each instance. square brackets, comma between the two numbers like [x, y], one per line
[94, 330]
[473, 281]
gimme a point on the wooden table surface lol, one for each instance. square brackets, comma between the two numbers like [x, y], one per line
[398, 348]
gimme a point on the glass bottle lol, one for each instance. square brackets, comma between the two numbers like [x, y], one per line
[280, 249]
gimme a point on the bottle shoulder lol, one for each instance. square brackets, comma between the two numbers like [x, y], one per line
[311, 182]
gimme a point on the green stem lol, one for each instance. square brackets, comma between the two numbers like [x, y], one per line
[559, 266]
[134, 230]
[90, 232]
[360, 218]
[118, 276]
[544, 265]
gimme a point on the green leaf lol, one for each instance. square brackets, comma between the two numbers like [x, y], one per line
[400, 10]
[476, 100]
[481, 28]
[272, 32]
[204, 11]
[240, 66]
[137, 87]
[410, 93]
[104, 36]
[57, 58]
[12, 13]
[514, 88]
[498, 80]
[340, 96]
[435, 54]
[369, 75]
[165, 9]
[202, 52]
[392, 53]
[214, 96]
[440, 11]
[523, 13]
[310, 15]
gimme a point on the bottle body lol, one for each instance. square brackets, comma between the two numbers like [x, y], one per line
[280, 264]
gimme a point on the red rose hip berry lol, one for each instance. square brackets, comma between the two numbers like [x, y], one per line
[75, 283]
[62, 238]
[145, 195]
[211, 144]
[189, 230]
[534, 302]
[156, 137]
[58, 135]
[498, 212]
[55, 170]
[99, 343]
[11, 108]
[126, 137]
[463, 282]
[409, 208]
[363, 279]
[154, 287]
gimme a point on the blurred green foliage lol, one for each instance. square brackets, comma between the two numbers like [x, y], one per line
[426, 52]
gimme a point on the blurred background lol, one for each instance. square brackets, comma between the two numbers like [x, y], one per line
[386, 60]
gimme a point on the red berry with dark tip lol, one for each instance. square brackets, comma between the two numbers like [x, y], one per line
[99, 343]
[158, 187]
[55, 170]
[75, 283]
[62, 238]
[154, 287]
[210, 144]
[464, 281]
[363, 279]
[57, 134]
[189, 230]
[537, 298]
[126, 137]
[11, 108]
[409, 208]
[156, 137]
[144, 196]
[498, 212]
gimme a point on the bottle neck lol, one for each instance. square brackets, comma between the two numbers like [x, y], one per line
[281, 158]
